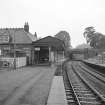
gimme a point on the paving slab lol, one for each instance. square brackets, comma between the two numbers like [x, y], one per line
[57, 95]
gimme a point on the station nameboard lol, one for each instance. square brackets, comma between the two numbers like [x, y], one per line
[37, 49]
[4, 38]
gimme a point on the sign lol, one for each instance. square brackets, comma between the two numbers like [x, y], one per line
[26, 48]
[37, 49]
[4, 38]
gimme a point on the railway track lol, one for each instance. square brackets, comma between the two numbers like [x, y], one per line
[78, 91]
[95, 78]
[92, 71]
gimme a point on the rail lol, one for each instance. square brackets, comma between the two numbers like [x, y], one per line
[80, 89]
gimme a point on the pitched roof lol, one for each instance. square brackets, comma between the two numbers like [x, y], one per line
[33, 38]
[50, 41]
[18, 35]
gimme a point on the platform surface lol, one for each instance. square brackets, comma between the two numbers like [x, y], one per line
[57, 95]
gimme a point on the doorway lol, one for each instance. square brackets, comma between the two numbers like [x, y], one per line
[42, 56]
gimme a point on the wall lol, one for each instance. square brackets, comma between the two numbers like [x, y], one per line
[59, 56]
[52, 56]
[20, 61]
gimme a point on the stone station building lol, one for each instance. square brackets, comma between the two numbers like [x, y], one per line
[47, 50]
[16, 44]
[20, 48]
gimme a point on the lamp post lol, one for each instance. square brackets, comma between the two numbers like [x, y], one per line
[14, 52]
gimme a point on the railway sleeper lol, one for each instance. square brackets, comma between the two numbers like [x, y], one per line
[83, 93]
[95, 101]
[89, 103]
[89, 99]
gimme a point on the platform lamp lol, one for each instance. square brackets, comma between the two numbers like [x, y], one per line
[14, 51]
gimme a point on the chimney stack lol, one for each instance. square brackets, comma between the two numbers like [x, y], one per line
[26, 27]
[35, 35]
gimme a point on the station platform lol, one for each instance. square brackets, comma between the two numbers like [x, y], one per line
[57, 95]
[97, 62]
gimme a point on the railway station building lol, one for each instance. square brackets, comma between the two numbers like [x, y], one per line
[47, 50]
[18, 46]
[16, 43]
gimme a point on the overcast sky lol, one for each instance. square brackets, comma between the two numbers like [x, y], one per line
[48, 17]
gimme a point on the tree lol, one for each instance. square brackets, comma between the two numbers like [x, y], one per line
[93, 38]
[101, 42]
[89, 34]
[82, 46]
[97, 40]
[63, 35]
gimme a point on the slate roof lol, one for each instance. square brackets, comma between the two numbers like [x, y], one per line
[50, 41]
[19, 35]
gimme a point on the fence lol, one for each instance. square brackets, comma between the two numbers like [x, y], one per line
[9, 62]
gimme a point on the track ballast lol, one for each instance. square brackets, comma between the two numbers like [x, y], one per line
[78, 92]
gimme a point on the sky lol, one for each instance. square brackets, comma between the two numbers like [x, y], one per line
[48, 17]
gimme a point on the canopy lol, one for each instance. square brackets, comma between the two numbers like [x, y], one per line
[54, 43]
